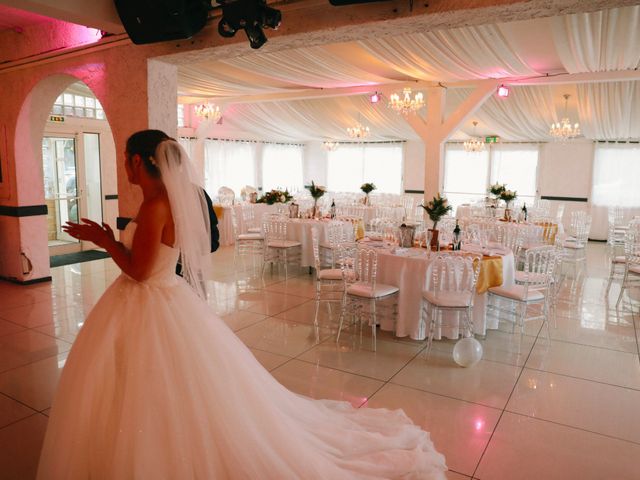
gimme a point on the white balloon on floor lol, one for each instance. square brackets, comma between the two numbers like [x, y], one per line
[467, 352]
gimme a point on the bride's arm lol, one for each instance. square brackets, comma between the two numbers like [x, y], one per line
[138, 262]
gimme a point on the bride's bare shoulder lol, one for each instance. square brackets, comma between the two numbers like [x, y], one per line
[156, 208]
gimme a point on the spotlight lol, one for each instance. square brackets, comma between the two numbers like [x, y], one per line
[375, 98]
[250, 15]
[503, 91]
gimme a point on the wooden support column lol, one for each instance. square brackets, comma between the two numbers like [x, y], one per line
[436, 130]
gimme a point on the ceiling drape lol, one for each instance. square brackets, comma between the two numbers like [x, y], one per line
[610, 111]
[599, 41]
[461, 53]
[525, 115]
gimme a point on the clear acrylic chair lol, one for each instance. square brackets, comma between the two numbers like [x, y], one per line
[330, 282]
[451, 282]
[249, 219]
[246, 244]
[338, 232]
[278, 249]
[631, 278]
[574, 248]
[617, 228]
[366, 298]
[532, 288]
[226, 196]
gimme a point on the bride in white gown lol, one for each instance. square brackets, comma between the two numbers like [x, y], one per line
[156, 386]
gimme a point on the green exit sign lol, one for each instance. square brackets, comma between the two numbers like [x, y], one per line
[492, 139]
[56, 118]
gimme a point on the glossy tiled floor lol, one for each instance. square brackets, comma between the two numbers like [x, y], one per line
[564, 409]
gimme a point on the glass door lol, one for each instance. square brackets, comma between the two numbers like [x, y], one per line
[60, 189]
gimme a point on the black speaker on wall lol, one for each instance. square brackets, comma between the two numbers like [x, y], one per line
[149, 21]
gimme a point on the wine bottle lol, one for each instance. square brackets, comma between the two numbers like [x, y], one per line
[524, 210]
[456, 237]
[332, 211]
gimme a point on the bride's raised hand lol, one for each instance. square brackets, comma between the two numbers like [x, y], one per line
[90, 231]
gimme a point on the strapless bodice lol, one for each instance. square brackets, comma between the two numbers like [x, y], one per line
[164, 268]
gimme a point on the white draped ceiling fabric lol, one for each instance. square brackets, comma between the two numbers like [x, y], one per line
[591, 42]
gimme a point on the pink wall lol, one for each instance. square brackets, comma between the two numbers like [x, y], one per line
[118, 77]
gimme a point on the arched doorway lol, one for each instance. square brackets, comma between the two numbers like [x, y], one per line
[78, 165]
[69, 160]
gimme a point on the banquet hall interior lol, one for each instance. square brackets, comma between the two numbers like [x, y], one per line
[432, 207]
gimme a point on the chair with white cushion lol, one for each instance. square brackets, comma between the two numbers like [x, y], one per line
[330, 282]
[631, 276]
[366, 298]
[532, 287]
[246, 244]
[278, 249]
[574, 248]
[451, 287]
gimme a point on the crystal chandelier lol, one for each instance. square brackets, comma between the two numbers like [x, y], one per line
[404, 103]
[564, 130]
[475, 143]
[330, 145]
[208, 111]
[358, 130]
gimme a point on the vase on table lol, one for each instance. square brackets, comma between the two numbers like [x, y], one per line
[366, 199]
[434, 239]
[507, 213]
[315, 212]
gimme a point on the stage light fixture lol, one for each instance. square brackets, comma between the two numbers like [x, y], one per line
[375, 98]
[251, 16]
[503, 91]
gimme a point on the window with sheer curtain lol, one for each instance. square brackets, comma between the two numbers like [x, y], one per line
[352, 165]
[517, 166]
[467, 175]
[229, 164]
[282, 167]
[616, 171]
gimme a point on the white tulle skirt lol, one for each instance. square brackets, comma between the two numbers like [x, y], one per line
[158, 387]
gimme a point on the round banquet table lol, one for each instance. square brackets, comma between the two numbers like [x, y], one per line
[225, 222]
[409, 272]
[300, 230]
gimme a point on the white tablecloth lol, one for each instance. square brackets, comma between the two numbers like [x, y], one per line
[300, 230]
[225, 225]
[409, 274]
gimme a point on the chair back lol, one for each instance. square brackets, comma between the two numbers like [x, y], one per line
[581, 230]
[560, 214]
[454, 273]
[632, 244]
[366, 266]
[511, 238]
[337, 233]
[248, 216]
[315, 242]
[275, 230]
[226, 196]
[539, 264]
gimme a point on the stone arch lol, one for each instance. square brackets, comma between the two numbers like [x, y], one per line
[29, 190]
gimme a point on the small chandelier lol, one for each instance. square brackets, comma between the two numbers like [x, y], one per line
[475, 144]
[330, 145]
[404, 104]
[358, 130]
[208, 111]
[564, 130]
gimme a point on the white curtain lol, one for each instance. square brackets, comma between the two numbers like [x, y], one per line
[229, 164]
[282, 167]
[598, 41]
[616, 171]
[517, 166]
[610, 111]
[351, 165]
[526, 114]
[465, 174]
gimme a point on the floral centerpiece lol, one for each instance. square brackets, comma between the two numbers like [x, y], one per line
[496, 189]
[508, 196]
[367, 188]
[436, 209]
[316, 192]
[275, 196]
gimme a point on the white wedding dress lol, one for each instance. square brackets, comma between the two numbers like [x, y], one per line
[156, 386]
